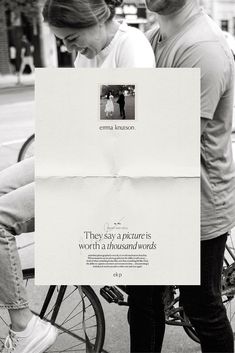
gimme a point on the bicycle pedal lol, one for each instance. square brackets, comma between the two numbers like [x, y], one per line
[111, 294]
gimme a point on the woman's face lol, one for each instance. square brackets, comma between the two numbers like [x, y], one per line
[88, 41]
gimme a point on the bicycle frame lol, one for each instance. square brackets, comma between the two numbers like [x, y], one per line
[30, 273]
[173, 313]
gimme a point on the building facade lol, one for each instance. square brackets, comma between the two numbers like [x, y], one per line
[49, 52]
[223, 12]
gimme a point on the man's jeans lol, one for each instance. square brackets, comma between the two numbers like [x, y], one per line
[16, 217]
[202, 304]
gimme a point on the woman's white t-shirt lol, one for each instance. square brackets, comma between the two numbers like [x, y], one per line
[128, 48]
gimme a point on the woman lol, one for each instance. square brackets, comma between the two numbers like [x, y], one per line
[88, 27]
[109, 108]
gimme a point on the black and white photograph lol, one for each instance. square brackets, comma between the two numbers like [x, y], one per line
[113, 34]
[117, 102]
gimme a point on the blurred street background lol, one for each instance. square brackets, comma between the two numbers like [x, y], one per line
[22, 17]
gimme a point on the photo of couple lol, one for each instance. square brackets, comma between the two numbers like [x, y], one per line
[117, 102]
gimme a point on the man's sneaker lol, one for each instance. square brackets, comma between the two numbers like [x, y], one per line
[36, 338]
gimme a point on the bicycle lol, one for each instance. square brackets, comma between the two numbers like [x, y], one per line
[75, 312]
[69, 307]
[174, 313]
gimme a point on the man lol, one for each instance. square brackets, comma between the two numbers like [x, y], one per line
[187, 37]
[121, 102]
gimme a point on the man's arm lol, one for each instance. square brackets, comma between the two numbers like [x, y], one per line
[215, 75]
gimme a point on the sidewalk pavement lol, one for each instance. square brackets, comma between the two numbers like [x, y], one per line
[10, 81]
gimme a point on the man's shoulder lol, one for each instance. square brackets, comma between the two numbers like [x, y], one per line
[199, 29]
[199, 41]
[204, 33]
[204, 40]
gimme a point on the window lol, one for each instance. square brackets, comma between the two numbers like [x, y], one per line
[224, 25]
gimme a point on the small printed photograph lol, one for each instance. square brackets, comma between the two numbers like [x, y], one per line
[117, 102]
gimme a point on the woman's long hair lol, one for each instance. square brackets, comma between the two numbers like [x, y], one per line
[78, 13]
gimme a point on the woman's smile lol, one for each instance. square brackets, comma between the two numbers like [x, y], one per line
[88, 42]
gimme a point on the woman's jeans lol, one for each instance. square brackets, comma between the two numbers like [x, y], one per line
[16, 217]
[202, 304]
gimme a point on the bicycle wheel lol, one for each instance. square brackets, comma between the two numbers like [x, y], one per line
[69, 320]
[228, 282]
[27, 149]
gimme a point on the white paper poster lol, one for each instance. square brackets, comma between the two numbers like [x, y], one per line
[118, 176]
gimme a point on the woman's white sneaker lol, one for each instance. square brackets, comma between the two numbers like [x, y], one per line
[38, 336]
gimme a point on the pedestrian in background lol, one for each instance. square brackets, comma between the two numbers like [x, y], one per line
[26, 57]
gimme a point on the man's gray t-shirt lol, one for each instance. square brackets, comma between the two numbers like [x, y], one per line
[200, 43]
